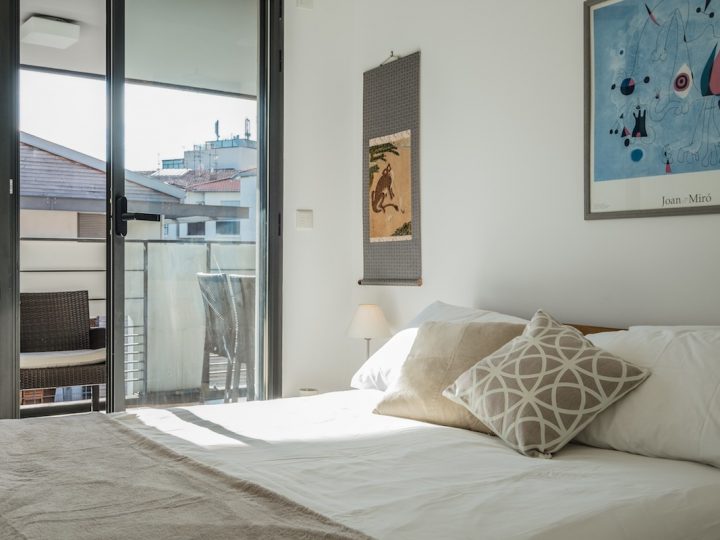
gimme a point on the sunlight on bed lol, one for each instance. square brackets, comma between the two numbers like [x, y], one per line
[258, 424]
[175, 423]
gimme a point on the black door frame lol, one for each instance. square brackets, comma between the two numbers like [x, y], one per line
[270, 169]
[9, 210]
[270, 139]
[270, 143]
[115, 245]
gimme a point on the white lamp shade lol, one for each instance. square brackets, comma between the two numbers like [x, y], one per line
[369, 322]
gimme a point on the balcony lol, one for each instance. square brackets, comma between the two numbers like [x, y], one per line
[165, 319]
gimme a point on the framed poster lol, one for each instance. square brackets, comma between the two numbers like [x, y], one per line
[391, 173]
[652, 112]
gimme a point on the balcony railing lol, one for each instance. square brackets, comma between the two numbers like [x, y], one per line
[164, 325]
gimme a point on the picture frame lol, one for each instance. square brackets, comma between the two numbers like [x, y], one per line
[644, 153]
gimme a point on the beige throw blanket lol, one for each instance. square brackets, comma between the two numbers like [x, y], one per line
[87, 477]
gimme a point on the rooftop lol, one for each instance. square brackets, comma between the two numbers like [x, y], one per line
[228, 185]
[233, 142]
[56, 177]
[171, 173]
[192, 178]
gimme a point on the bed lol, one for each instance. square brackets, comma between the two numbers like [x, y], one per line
[395, 478]
[326, 466]
[389, 477]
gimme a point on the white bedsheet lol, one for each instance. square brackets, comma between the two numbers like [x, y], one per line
[396, 478]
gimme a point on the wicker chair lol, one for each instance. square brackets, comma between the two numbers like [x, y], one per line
[229, 303]
[60, 321]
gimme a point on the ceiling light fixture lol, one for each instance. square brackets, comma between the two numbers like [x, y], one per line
[49, 32]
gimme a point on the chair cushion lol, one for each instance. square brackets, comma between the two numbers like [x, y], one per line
[56, 359]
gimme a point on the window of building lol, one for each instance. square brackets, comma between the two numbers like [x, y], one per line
[196, 229]
[227, 227]
[173, 163]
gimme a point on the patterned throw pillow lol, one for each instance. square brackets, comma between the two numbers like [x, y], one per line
[541, 389]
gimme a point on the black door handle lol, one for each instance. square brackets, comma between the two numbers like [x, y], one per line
[122, 216]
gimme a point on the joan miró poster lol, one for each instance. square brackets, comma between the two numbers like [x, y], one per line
[654, 107]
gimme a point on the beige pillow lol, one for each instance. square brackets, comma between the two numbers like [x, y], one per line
[441, 352]
[541, 389]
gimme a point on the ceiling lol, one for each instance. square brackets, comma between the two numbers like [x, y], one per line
[206, 44]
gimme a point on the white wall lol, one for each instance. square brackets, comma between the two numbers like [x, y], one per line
[49, 266]
[319, 174]
[502, 180]
[48, 224]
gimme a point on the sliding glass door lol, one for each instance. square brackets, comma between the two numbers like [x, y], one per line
[62, 215]
[155, 118]
[191, 199]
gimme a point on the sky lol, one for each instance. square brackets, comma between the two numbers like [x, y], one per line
[159, 123]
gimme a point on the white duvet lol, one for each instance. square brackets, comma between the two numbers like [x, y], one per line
[400, 479]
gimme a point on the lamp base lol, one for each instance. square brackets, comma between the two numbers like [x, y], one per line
[367, 347]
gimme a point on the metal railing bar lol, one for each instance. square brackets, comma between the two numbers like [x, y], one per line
[192, 241]
[78, 240]
[138, 241]
[98, 270]
[135, 354]
[63, 270]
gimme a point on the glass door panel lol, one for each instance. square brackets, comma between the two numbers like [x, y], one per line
[191, 188]
[63, 191]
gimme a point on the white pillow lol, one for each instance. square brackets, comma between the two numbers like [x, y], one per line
[440, 311]
[676, 412]
[383, 367]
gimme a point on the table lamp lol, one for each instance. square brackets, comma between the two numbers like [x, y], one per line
[368, 322]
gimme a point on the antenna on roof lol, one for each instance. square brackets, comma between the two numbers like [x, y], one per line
[247, 129]
[217, 130]
[391, 58]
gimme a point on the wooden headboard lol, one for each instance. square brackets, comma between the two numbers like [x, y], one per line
[585, 329]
